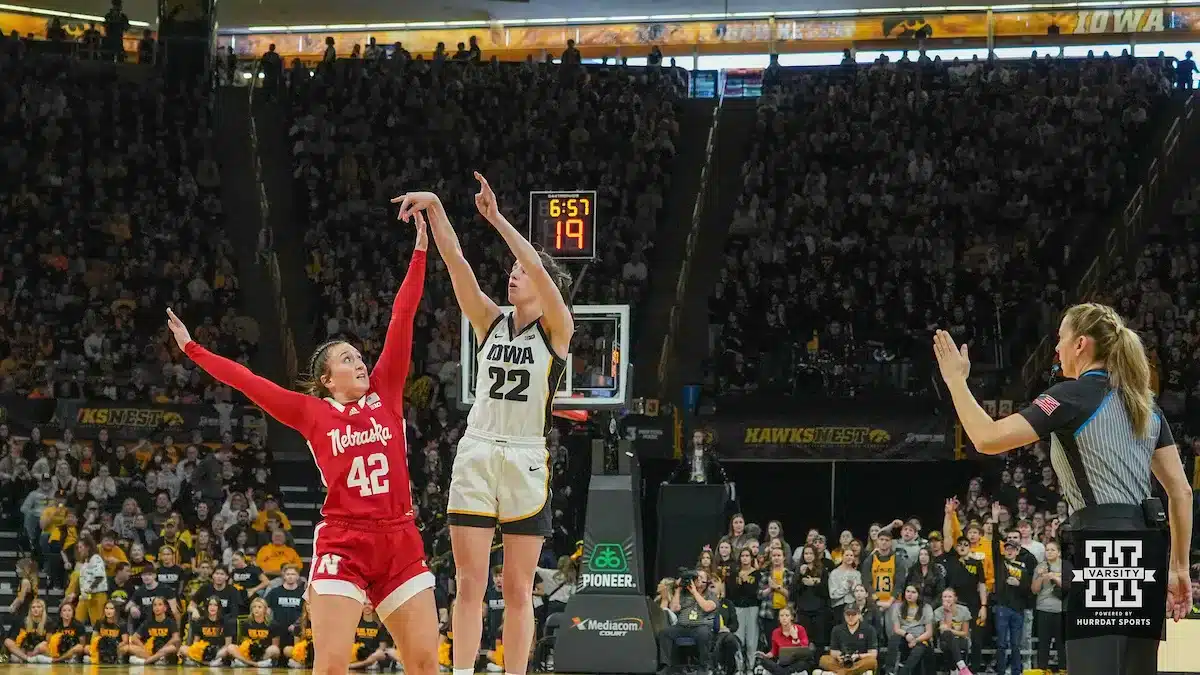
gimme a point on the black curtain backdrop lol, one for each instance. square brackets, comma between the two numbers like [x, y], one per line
[797, 494]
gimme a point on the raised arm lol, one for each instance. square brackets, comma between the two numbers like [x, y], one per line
[289, 407]
[479, 309]
[558, 315]
[989, 436]
[391, 371]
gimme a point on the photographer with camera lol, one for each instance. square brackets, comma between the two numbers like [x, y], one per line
[694, 604]
[852, 647]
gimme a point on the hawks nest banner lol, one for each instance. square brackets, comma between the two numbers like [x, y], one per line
[851, 432]
[131, 421]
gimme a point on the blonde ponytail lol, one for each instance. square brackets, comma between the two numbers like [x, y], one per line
[1123, 354]
[1129, 372]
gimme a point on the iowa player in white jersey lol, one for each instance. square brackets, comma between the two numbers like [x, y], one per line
[501, 473]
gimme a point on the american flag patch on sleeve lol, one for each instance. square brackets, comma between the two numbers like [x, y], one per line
[1046, 403]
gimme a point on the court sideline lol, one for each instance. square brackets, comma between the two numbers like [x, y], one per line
[69, 669]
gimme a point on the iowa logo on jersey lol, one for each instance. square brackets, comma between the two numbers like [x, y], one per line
[515, 354]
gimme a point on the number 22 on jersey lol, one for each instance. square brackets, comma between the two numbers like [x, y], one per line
[369, 475]
[517, 377]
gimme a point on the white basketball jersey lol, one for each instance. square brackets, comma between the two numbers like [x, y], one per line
[516, 376]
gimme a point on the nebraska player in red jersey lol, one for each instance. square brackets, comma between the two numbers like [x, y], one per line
[367, 547]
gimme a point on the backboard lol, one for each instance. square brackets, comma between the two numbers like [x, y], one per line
[597, 366]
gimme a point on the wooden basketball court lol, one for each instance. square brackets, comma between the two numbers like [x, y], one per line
[64, 669]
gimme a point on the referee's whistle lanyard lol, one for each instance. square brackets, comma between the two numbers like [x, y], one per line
[1098, 372]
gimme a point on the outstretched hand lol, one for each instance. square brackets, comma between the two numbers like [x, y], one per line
[411, 202]
[485, 199]
[952, 361]
[180, 331]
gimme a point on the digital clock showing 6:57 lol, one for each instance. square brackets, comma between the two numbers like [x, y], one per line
[564, 223]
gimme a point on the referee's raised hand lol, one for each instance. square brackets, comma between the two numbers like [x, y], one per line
[952, 361]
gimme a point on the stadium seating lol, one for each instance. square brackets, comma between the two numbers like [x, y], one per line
[112, 212]
[884, 200]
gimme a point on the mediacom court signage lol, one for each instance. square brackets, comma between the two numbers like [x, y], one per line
[612, 628]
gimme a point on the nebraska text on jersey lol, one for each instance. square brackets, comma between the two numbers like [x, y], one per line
[344, 439]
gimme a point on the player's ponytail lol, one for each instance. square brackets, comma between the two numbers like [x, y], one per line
[317, 367]
[1123, 354]
[562, 278]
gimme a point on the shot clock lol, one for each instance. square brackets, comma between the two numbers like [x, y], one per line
[564, 223]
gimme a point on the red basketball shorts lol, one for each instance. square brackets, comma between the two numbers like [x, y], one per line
[370, 563]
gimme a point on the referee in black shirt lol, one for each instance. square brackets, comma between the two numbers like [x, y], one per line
[1106, 437]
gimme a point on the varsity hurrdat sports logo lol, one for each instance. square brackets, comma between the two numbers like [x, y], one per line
[1114, 574]
[1117, 584]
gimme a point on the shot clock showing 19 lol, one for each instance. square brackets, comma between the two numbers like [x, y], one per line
[564, 223]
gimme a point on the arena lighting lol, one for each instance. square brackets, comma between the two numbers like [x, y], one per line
[66, 15]
[650, 18]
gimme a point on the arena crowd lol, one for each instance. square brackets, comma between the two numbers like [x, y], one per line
[934, 193]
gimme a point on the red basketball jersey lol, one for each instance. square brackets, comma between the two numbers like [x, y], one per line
[359, 447]
[360, 451]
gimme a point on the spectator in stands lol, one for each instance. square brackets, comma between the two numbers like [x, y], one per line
[727, 650]
[742, 586]
[738, 537]
[1013, 582]
[284, 600]
[27, 588]
[121, 587]
[246, 575]
[927, 577]
[1048, 588]
[103, 487]
[272, 557]
[270, 511]
[35, 503]
[775, 585]
[786, 637]
[910, 622]
[110, 552]
[811, 596]
[909, 543]
[93, 580]
[206, 478]
[952, 623]
[883, 570]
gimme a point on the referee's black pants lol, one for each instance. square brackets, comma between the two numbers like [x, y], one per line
[1111, 654]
